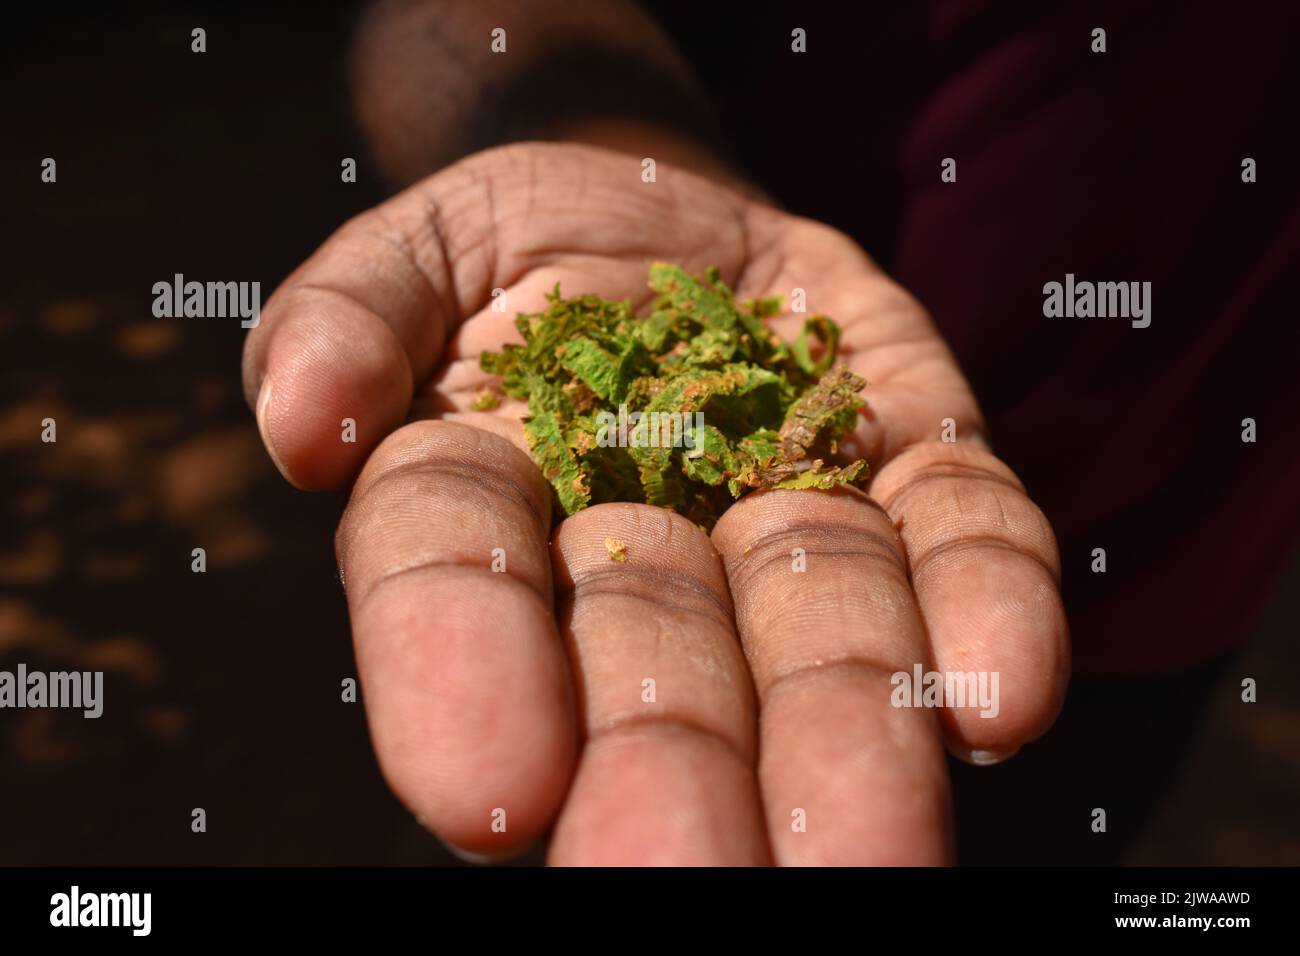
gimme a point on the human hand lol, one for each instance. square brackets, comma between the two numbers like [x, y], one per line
[522, 691]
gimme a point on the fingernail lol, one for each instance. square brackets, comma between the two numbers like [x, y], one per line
[476, 858]
[264, 402]
[987, 758]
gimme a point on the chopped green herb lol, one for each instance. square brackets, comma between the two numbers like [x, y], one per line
[687, 408]
[616, 549]
[485, 400]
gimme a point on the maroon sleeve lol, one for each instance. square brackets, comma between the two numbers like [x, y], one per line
[1125, 166]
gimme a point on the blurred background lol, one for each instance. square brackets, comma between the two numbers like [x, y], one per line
[223, 688]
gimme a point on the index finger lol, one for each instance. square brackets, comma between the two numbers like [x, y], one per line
[444, 552]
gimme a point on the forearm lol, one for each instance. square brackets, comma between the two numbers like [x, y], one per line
[429, 88]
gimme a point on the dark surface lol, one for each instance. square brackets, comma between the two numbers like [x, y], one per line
[223, 688]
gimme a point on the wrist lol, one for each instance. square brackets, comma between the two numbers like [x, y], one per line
[648, 140]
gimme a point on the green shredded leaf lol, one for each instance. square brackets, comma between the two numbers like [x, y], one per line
[688, 408]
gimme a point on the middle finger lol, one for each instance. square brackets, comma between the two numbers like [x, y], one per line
[666, 775]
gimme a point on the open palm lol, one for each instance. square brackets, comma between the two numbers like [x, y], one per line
[714, 699]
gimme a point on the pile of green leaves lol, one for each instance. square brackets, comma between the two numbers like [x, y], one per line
[769, 407]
